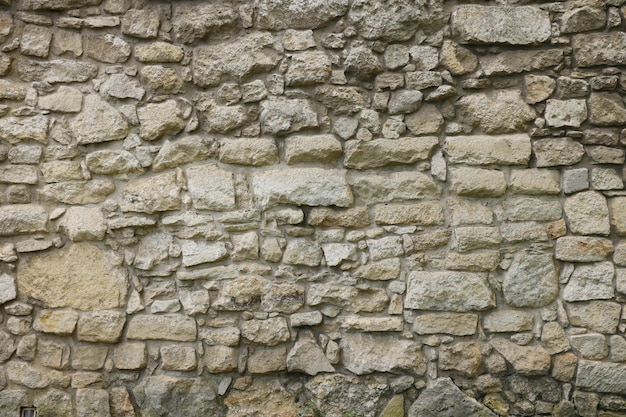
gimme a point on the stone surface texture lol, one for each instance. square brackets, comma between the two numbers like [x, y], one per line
[313, 208]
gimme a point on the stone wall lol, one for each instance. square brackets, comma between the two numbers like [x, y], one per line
[313, 208]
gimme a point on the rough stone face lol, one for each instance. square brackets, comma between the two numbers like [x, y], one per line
[22, 218]
[158, 119]
[162, 52]
[587, 213]
[457, 324]
[269, 332]
[477, 182]
[109, 162]
[281, 116]
[521, 25]
[17, 129]
[503, 321]
[64, 100]
[171, 395]
[315, 148]
[531, 280]
[79, 192]
[561, 113]
[306, 356]
[394, 186]
[526, 360]
[282, 14]
[538, 88]
[302, 186]
[513, 62]
[308, 68]
[107, 48]
[559, 151]
[598, 316]
[7, 288]
[80, 276]
[606, 109]
[84, 223]
[463, 357]
[425, 214]
[600, 376]
[98, 122]
[101, 326]
[442, 398]
[583, 248]
[382, 152]
[211, 188]
[253, 152]
[488, 150]
[182, 151]
[448, 291]
[457, 59]
[158, 193]
[352, 299]
[599, 49]
[162, 327]
[504, 112]
[591, 282]
[193, 22]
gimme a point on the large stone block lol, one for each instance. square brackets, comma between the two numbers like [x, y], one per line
[503, 112]
[605, 377]
[98, 122]
[477, 182]
[101, 326]
[192, 22]
[302, 186]
[22, 218]
[591, 49]
[442, 398]
[583, 248]
[591, 282]
[531, 280]
[387, 187]
[521, 25]
[456, 324]
[526, 360]
[286, 14]
[587, 213]
[488, 150]
[153, 194]
[17, 129]
[381, 152]
[448, 291]
[81, 276]
[211, 188]
[162, 327]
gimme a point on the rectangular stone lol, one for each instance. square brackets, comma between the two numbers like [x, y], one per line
[162, 327]
[532, 209]
[489, 150]
[302, 186]
[372, 324]
[22, 218]
[381, 152]
[422, 214]
[504, 321]
[477, 182]
[211, 188]
[608, 48]
[449, 291]
[456, 324]
[521, 25]
[514, 62]
[327, 217]
[583, 248]
[387, 187]
[601, 377]
[19, 174]
[523, 232]
[476, 237]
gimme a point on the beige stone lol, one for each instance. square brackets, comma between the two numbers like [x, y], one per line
[162, 327]
[84, 223]
[463, 357]
[387, 187]
[314, 148]
[456, 324]
[488, 150]
[130, 356]
[253, 152]
[382, 152]
[264, 360]
[477, 182]
[526, 360]
[98, 122]
[59, 322]
[423, 214]
[504, 321]
[158, 119]
[149, 195]
[101, 326]
[535, 181]
[583, 248]
[587, 213]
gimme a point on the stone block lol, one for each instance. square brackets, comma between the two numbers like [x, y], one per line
[162, 327]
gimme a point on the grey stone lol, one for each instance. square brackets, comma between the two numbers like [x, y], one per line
[172, 395]
[513, 62]
[282, 14]
[405, 101]
[590, 345]
[64, 100]
[79, 192]
[531, 280]
[587, 213]
[98, 122]
[553, 338]
[162, 327]
[281, 116]
[364, 354]
[590, 282]
[448, 291]
[56, 71]
[142, 24]
[504, 321]
[8, 291]
[148, 195]
[350, 298]
[158, 119]
[35, 41]
[107, 48]
[504, 112]
[597, 316]
[200, 252]
[561, 113]
[606, 109]
[557, 151]
[477, 182]
[342, 100]
[110, 162]
[426, 121]
[183, 151]
[192, 22]
[517, 25]
[535, 181]
[17, 129]
[306, 356]
[583, 248]
[381, 152]
[488, 150]
[101, 326]
[394, 186]
[298, 40]
[583, 19]
[316, 148]
[302, 252]
[592, 49]
[269, 332]
[606, 179]
[442, 398]
[538, 88]
[602, 377]
[308, 68]
[178, 358]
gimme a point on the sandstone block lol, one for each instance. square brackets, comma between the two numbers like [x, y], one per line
[56, 71]
[535, 181]
[583, 19]
[59, 322]
[592, 49]
[526, 360]
[385, 247]
[281, 116]
[606, 109]
[200, 252]
[282, 14]
[211, 188]
[84, 223]
[308, 68]
[383, 270]
[183, 151]
[12, 91]
[160, 80]
[505, 321]
[17, 129]
[153, 194]
[110, 162]
[457, 59]
[80, 276]
[538, 88]
[553, 338]
[463, 357]
[561, 113]
[316, 148]
[513, 62]
[587, 213]
[178, 358]
[342, 100]
[504, 112]
[122, 86]
[557, 151]
[130, 356]
[382, 152]
[19, 174]
[603, 377]
[91, 402]
[142, 24]
[306, 356]
[162, 327]
[531, 280]
[488, 150]
[456, 324]
[7, 288]
[298, 40]
[89, 357]
[192, 22]
[101, 326]
[617, 206]
[161, 52]
[590, 282]
[583, 249]
[423, 214]
[226, 336]
[476, 237]
[387, 187]
[269, 332]
[254, 151]
[448, 291]
[521, 25]
[476, 261]
[64, 100]
[223, 119]
[477, 182]
[335, 253]
[590, 345]
[158, 119]
[265, 360]
[597, 316]
[107, 48]
[98, 122]
[79, 192]
[302, 186]
[352, 299]
[302, 252]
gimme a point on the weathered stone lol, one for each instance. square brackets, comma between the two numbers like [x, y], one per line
[142, 24]
[98, 122]
[442, 398]
[7, 288]
[617, 206]
[12, 91]
[281, 116]
[302, 252]
[64, 100]
[269, 332]
[404, 101]
[503, 321]
[423, 214]
[57, 171]
[234, 60]
[394, 186]
[253, 151]
[564, 367]
[553, 338]
[382, 152]
[89, 357]
[110, 162]
[161, 80]
[227, 336]
[426, 121]
[193, 22]
[101, 326]
[183, 151]
[315, 148]
[583, 19]
[583, 249]
[277, 15]
[592, 49]
[59, 322]
[476, 237]
[590, 282]
[512, 62]
[327, 217]
[302, 186]
[606, 179]
[80, 276]
[535, 181]
[162, 327]
[605, 155]
[222, 119]
[607, 109]
[590, 345]
[17, 129]
[538, 88]
[598, 316]
[298, 40]
[488, 150]
[107, 48]
[352, 299]
[148, 195]
[155, 52]
[122, 86]
[336, 253]
[158, 119]
[56, 71]
[448, 291]
[372, 324]
[531, 280]
[603, 377]
[364, 354]
[35, 41]
[200, 252]
[342, 100]
[130, 356]
[503, 112]
[526, 360]
[178, 358]
[476, 261]
[477, 182]
[587, 213]
[306, 356]
[463, 357]
[266, 360]
[172, 395]
[18, 174]
[557, 151]
[456, 324]
[84, 223]
[561, 113]
[385, 247]
[457, 59]
[308, 68]
[521, 25]
[79, 192]
[264, 396]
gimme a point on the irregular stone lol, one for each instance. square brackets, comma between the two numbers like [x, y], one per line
[308, 68]
[19, 174]
[505, 321]
[597, 316]
[517, 25]
[282, 14]
[192, 22]
[476, 237]
[606, 179]
[237, 59]
[583, 249]
[564, 367]
[404, 101]
[557, 151]
[80, 276]
[463, 357]
[161, 80]
[7, 288]
[526, 360]
[149, 195]
[617, 206]
[561, 113]
[172, 395]
[107, 48]
[56, 71]
[269, 332]
[89, 357]
[503, 112]
[442, 398]
[553, 338]
[488, 150]
[457, 59]
[200, 252]
[159, 52]
[84, 223]
[122, 86]
[426, 121]
[466, 212]
[364, 353]
[142, 24]
[535, 181]
[602, 377]
[101, 326]
[587, 213]
[385, 247]
[342, 100]
[352, 299]
[422, 214]
[266, 360]
[590, 345]
[298, 40]
[456, 324]
[35, 41]
[183, 151]
[394, 186]
[336, 253]
[448, 291]
[12, 91]
[538, 88]
[316, 148]
[228, 336]
[306, 356]
[514, 62]
[477, 182]
[590, 282]
[262, 395]
[592, 49]
[476, 261]
[17, 129]
[281, 116]
[606, 109]
[382, 152]
[64, 100]
[98, 122]
[174, 327]
[605, 155]
[158, 119]
[253, 151]
[302, 186]
[531, 280]
[302, 252]
[110, 162]
[211, 188]
[372, 324]
[583, 19]
[79, 192]
[178, 358]
[327, 217]
[66, 42]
